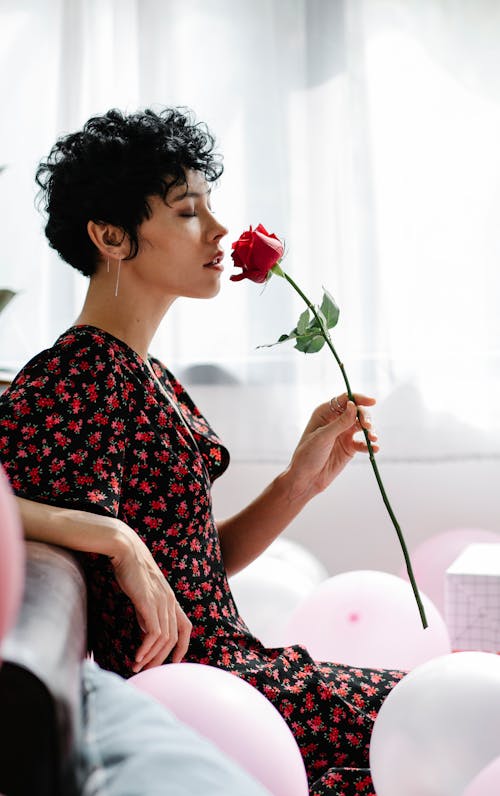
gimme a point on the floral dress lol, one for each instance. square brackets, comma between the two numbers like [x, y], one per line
[86, 425]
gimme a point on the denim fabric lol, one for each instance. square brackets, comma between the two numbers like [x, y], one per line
[133, 746]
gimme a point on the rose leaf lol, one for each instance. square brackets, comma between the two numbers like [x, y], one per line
[303, 323]
[321, 326]
[329, 309]
[308, 344]
[281, 339]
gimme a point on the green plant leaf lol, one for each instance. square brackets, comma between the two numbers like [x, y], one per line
[323, 324]
[309, 344]
[329, 309]
[5, 296]
[303, 323]
[282, 339]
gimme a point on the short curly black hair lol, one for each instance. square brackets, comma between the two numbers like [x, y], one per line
[107, 171]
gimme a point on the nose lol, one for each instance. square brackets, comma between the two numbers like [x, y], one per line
[219, 230]
[214, 229]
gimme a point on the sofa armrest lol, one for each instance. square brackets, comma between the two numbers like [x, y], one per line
[40, 676]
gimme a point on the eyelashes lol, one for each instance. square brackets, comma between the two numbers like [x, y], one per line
[193, 213]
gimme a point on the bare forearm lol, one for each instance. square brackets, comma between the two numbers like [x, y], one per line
[326, 446]
[77, 530]
[164, 625]
[246, 535]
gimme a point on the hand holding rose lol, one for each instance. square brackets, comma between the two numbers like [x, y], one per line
[328, 444]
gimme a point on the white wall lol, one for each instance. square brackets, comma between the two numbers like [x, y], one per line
[440, 471]
[347, 527]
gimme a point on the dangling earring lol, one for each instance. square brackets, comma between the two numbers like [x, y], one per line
[118, 276]
[107, 265]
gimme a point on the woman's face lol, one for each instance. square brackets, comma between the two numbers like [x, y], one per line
[179, 245]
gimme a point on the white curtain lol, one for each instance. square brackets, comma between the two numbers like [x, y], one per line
[364, 133]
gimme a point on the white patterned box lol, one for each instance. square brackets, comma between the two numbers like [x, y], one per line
[472, 599]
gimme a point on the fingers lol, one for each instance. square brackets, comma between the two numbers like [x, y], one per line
[362, 447]
[184, 628]
[364, 419]
[338, 403]
[165, 638]
[364, 424]
[353, 420]
[151, 628]
[348, 416]
[363, 400]
[331, 425]
[172, 635]
[164, 625]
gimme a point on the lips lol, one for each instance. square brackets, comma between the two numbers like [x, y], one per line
[216, 262]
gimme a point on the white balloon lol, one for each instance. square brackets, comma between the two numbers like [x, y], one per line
[487, 782]
[269, 589]
[438, 727]
[267, 592]
[299, 557]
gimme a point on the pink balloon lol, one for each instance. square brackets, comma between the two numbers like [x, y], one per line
[234, 716]
[432, 558]
[487, 782]
[11, 557]
[368, 618]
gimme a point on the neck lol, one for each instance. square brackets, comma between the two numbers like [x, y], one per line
[130, 316]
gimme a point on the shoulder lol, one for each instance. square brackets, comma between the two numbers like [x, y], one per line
[83, 364]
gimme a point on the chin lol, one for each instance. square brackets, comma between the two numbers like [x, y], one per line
[206, 293]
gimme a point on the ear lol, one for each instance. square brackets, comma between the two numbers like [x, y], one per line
[111, 241]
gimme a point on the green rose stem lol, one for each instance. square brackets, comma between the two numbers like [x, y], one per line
[325, 334]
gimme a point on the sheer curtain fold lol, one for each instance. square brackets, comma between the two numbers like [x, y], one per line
[364, 133]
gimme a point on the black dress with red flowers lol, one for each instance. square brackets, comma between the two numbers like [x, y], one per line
[85, 425]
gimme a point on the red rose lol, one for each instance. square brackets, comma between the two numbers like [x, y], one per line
[256, 252]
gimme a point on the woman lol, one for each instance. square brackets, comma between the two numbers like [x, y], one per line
[103, 436]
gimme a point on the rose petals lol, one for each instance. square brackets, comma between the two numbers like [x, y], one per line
[256, 251]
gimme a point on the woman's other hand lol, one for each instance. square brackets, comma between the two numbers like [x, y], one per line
[166, 627]
[328, 444]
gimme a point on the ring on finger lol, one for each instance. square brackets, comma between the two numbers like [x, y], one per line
[335, 406]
